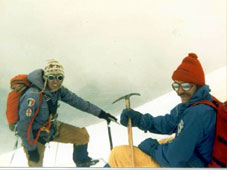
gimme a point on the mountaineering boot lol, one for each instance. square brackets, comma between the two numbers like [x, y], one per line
[81, 158]
[87, 163]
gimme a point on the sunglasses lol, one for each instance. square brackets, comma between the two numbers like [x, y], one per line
[184, 86]
[58, 77]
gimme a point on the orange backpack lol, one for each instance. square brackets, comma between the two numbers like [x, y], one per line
[219, 155]
[19, 84]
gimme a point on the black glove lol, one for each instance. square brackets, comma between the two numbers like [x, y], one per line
[108, 117]
[134, 115]
[34, 155]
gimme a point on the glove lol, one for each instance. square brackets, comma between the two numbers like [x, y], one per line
[108, 117]
[134, 115]
[148, 145]
[34, 155]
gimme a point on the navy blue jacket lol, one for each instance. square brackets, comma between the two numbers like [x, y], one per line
[195, 131]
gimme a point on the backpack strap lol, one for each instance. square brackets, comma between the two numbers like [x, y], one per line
[207, 102]
[31, 122]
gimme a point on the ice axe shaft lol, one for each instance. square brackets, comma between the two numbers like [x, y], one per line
[110, 136]
[130, 141]
[130, 137]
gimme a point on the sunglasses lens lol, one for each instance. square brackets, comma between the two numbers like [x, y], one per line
[185, 86]
[60, 77]
[175, 86]
[50, 77]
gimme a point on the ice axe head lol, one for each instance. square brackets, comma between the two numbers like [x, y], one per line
[127, 101]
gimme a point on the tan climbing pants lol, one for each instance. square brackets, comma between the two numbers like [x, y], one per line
[66, 134]
[120, 157]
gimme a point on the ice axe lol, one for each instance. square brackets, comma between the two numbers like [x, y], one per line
[109, 131]
[110, 136]
[130, 138]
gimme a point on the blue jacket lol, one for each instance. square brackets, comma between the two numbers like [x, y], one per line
[29, 102]
[195, 131]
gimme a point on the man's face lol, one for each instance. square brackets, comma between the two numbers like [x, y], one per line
[54, 81]
[184, 90]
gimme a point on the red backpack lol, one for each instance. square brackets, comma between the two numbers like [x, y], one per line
[19, 84]
[219, 155]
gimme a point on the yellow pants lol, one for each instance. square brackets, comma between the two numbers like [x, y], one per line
[67, 134]
[120, 157]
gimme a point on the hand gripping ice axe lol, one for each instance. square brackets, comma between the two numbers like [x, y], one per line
[130, 138]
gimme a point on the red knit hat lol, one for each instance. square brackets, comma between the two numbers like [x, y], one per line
[190, 70]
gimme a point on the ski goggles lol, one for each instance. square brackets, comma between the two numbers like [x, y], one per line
[58, 77]
[184, 86]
